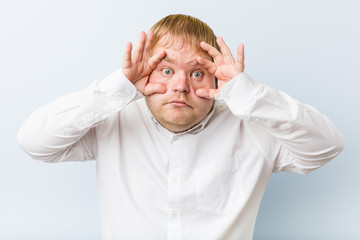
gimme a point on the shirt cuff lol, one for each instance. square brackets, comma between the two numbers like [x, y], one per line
[116, 85]
[239, 91]
[108, 96]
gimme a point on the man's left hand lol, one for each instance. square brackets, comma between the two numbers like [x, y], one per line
[224, 67]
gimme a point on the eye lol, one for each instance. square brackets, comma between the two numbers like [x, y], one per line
[197, 74]
[167, 71]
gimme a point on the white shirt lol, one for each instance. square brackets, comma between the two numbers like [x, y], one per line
[205, 183]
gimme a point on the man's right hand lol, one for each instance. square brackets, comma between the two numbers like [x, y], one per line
[137, 66]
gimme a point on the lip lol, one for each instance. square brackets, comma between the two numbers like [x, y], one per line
[178, 103]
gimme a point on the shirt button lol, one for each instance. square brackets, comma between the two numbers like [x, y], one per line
[96, 117]
[173, 180]
[173, 215]
[176, 138]
[227, 97]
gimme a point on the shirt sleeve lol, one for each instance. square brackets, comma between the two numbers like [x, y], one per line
[64, 129]
[306, 139]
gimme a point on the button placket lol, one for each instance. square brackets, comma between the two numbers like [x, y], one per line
[173, 215]
[173, 180]
[174, 188]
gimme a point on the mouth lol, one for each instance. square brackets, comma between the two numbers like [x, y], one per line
[178, 103]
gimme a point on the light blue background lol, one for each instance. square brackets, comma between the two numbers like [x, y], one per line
[309, 49]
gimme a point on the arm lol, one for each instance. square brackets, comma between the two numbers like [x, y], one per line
[307, 139]
[64, 130]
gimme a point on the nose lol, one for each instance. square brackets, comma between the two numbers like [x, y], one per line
[180, 83]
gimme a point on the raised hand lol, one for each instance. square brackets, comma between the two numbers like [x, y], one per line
[137, 66]
[224, 66]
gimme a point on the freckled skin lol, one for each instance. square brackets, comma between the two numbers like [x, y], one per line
[179, 108]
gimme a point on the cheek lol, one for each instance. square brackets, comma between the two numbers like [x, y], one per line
[155, 77]
[157, 99]
[152, 102]
[158, 78]
[202, 103]
[207, 83]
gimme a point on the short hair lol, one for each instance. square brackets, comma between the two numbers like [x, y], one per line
[187, 28]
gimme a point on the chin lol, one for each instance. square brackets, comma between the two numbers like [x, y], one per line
[179, 119]
[176, 122]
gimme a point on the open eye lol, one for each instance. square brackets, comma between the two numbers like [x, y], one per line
[197, 74]
[167, 71]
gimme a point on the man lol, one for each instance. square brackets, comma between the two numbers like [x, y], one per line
[177, 164]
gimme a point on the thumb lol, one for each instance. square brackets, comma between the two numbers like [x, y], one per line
[207, 93]
[152, 88]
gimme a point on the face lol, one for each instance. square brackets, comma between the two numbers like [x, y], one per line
[180, 108]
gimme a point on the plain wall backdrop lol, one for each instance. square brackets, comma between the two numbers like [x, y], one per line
[309, 49]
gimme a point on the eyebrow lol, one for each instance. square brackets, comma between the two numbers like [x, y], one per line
[194, 63]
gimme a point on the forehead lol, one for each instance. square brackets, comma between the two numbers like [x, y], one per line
[183, 59]
[180, 57]
[177, 45]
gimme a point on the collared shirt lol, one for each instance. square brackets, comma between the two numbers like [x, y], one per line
[204, 183]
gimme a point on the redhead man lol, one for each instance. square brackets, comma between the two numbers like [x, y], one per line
[184, 141]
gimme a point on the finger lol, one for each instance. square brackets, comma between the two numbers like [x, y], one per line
[154, 60]
[207, 93]
[139, 47]
[149, 38]
[240, 54]
[206, 63]
[213, 52]
[152, 88]
[225, 50]
[127, 56]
